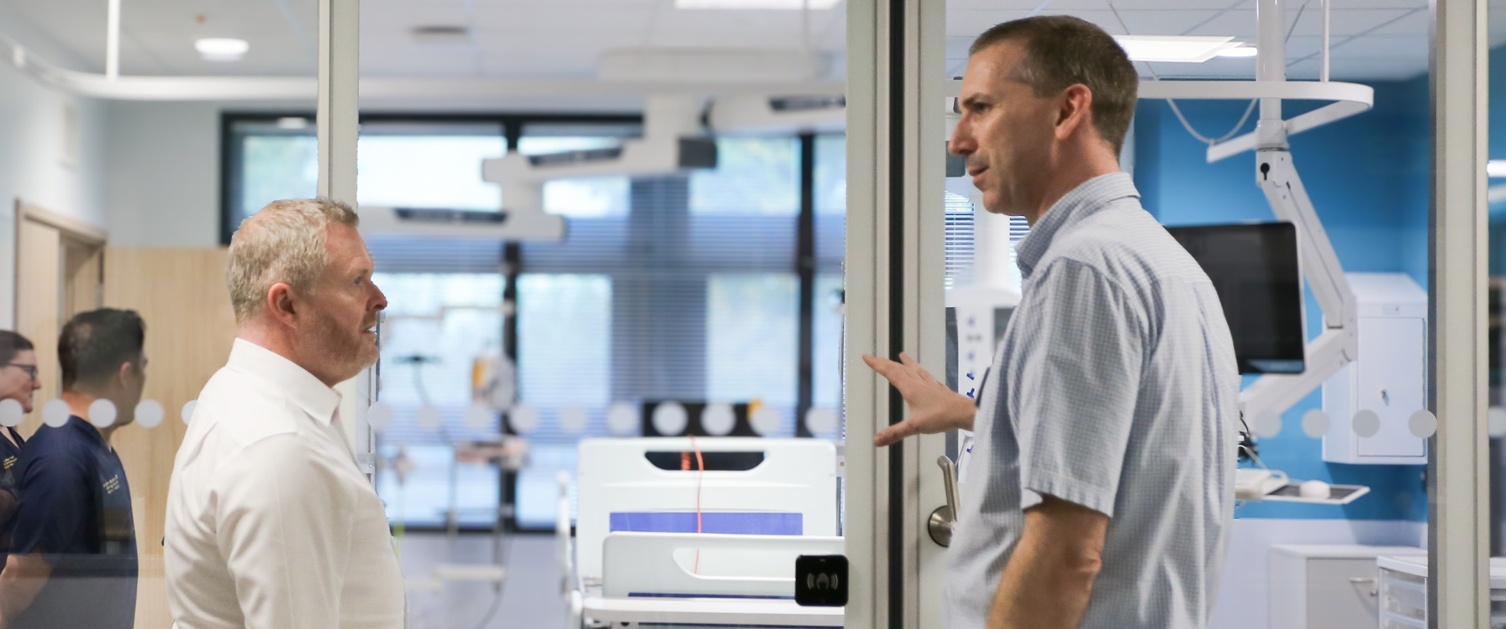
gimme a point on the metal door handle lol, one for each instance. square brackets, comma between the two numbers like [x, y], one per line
[944, 518]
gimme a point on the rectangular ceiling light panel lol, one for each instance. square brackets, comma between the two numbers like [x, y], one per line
[1173, 49]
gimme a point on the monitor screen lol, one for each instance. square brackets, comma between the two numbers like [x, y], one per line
[1254, 269]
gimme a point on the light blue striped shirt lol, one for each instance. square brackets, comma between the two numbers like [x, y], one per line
[1114, 388]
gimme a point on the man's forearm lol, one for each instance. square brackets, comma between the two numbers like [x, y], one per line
[1043, 588]
[8, 504]
[20, 582]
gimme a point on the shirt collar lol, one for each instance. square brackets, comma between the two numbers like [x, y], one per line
[86, 427]
[1083, 201]
[300, 386]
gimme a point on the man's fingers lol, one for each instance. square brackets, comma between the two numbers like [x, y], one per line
[894, 434]
[915, 369]
[889, 369]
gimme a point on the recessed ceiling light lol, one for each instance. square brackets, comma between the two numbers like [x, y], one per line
[1174, 49]
[292, 123]
[1495, 168]
[1241, 52]
[756, 4]
[221, 48]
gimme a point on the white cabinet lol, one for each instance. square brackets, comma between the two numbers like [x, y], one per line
[1389, 378]
[1325, 587]
[1404, 591]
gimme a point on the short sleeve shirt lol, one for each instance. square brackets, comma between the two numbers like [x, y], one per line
[1115, 388]
[76, 512]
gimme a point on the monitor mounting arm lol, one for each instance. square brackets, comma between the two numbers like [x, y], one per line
[1338, 344]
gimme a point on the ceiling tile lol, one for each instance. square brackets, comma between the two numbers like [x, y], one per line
[1002, 5]
[1237, 24]
[1414, 23]
[1104, 19]
[1167, 22]
[1384, 47]
[405, 16]
[1374, 4]
[1344, 22]
[565, 15]
[1348, 21]
[555, 42]
[1142, 5]
[972, 22]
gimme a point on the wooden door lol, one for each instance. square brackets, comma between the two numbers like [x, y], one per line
[181, 295]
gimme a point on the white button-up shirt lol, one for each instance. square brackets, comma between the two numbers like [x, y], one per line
[270, 523]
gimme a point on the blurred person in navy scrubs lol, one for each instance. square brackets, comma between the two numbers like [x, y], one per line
[73, 552]
[19, 381]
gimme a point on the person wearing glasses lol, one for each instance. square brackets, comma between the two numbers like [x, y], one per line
[73, 560]
[19, 382]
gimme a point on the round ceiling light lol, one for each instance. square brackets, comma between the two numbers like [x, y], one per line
[222, 48]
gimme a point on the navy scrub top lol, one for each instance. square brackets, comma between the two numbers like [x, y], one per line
[76, 511]
[10, 479]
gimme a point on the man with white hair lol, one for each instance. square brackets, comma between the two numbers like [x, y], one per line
[270, 523]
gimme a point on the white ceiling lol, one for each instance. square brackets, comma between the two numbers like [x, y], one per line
[1372, 39]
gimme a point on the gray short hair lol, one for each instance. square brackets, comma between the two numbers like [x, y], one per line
[284, 242]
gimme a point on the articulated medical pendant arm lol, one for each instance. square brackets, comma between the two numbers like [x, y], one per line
[1338, 344]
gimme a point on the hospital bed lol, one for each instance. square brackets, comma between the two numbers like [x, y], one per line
[658, 540]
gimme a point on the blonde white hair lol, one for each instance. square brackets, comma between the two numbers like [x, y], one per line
[284, 242]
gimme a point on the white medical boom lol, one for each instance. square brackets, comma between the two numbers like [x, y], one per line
[1338, 344]
[1275, 173]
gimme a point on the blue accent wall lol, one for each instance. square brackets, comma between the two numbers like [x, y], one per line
[1497, 150]
[1368, 177]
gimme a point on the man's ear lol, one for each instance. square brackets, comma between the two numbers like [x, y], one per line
[1075, 111]
[123, 376]
[281, 303]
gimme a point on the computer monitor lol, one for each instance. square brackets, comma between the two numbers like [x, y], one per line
[1255, 271]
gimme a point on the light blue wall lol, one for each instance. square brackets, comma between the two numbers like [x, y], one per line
[1368, 178]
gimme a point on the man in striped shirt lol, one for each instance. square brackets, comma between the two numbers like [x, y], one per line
[1100, 489]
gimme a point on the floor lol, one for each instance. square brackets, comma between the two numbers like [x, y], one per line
[529, 596]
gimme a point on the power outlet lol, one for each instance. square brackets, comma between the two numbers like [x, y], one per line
[821, 580]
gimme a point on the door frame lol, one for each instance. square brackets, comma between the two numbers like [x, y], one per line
[72, 235]
[72, 230]
[895, 282]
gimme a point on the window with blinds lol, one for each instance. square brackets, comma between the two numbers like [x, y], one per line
[959, 240]
[688, 293]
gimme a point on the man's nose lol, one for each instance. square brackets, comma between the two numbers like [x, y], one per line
[960, 143]
[381, 298]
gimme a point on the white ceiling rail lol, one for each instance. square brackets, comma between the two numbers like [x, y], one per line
[210, 88]
[1347, 99]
